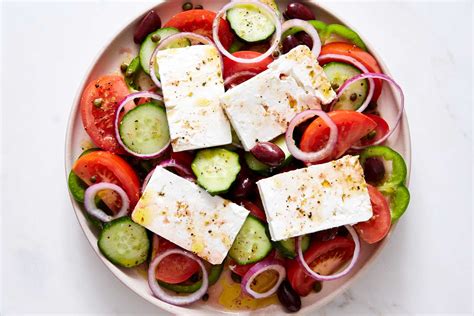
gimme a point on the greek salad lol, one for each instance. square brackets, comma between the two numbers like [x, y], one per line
[241, 149]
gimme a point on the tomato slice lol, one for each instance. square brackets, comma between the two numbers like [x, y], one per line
[242, 269]
[200, 22]
[102, 166]
[99, 119]
[184, 157]
[376, 228]
[352, 126]
[360, 55]
[380, 131]
[231, 67]
[175, 268]
[324, 257]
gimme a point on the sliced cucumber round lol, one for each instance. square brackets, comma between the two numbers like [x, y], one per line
[250, 23]
[124, 242]
[144, 129]
[355, 94]
[287, 247]
[148, 46]
[252, 243]
[216, 169]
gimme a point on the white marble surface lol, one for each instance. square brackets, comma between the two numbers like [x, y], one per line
[47, 265]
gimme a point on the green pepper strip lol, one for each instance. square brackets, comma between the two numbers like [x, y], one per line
[399, 168]
[214, 275]
[344, 32]
[132, 72]
[393, 187]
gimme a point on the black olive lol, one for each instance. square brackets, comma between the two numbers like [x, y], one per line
[288, 297]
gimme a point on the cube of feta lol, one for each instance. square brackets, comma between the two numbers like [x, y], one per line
[315, 198]
[192, 84]
[185, 214]
[261, 108]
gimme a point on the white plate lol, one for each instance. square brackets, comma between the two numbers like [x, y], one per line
[122, 48]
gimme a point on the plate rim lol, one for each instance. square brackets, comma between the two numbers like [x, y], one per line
[117, 272]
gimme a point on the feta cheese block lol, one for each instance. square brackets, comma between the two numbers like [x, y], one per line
[185, 214]
[315, 198]
[261, 108]
[191, 79]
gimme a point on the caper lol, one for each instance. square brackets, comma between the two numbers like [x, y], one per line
[187, 6]
[155, 38]
[353, 97]
[199, 7]
[98, 102]
[317, 287]
[235, 277]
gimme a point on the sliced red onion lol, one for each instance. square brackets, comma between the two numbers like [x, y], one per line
[400, 108]
[168, 40]
[311, 156]
[338, 275]
[256, 270]
[275, 39]
[146, 180]
[361, 67]
[309, 29]
[228, 82]
[176, 299]
[123, 104]
[91, 208]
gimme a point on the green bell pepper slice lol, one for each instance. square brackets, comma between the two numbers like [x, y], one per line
[398, 200]
[214, 275]
[318, 25]
[131, 73]
[399, 168]
[341, 33]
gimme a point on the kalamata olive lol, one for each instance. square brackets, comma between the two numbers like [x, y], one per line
[288, 297]
[244, 184]
[374, 170]
[289, 43]
[304, 39]
[268, 153]
[150, 22]
[297, 10]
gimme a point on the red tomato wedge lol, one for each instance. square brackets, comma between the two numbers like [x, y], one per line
[352, 126]
[380, 131]
[376, 228]
[325, 257]
[360, 55]
[231, 67]
[175, 268]
[99, 119]
[102, 166]
[200, 22]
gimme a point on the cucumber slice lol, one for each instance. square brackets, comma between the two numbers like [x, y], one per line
[250, 23]
[287, 247]
[216, 169]
[280, 141]
[144, 129]
[124, 242]
[355, 94]
[252, 243]
[148, 46]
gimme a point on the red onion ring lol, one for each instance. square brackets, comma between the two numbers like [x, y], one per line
[172, 38]
[176, 299]
[311, 156]
[256, 270]
[309, 29]
[400, 108]
[275, 39]
[361, 67]
[344, 272]
[171, 163]
[228, 81]
[131, 97]
[91, 208]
